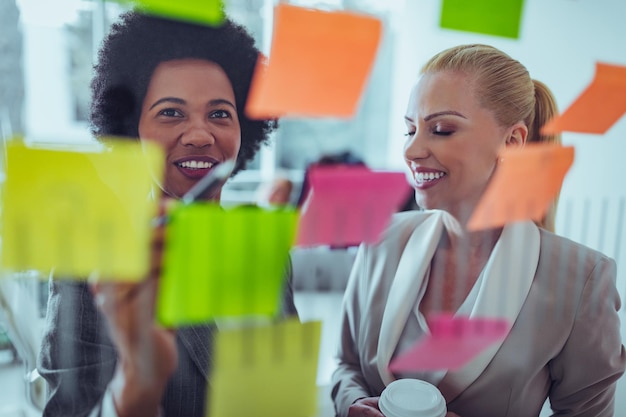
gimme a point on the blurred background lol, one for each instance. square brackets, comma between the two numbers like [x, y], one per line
[47, 49]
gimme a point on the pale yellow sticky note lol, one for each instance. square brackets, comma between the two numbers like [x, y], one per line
[80, 212]
[265, 371]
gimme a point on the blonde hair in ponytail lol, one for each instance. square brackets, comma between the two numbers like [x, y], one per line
[545, 109]
[504, 87]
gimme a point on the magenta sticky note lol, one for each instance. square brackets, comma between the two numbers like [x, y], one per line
[452, 343]
[348, 205]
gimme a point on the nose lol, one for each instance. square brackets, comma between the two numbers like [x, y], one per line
[197, 134]
[416, 148]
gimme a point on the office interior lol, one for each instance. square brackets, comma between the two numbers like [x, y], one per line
[47, 49]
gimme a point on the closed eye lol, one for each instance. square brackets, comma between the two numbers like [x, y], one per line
[443, 132]
[409, 134]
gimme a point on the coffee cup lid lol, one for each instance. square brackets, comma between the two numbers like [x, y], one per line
[412, 398]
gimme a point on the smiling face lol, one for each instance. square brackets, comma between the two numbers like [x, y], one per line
[189, 109]
[453, 142]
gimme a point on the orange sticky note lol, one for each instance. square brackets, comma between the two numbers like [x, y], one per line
[451, 344]
[598, 108]
[524, 185]
[319, 63]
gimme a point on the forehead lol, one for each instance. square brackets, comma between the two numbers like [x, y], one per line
[196, 76]
[441, 91]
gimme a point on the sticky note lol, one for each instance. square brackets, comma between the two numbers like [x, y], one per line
[223, 262]
[80, 212]
[598, 107]
[491, 17]
[451, 344]
[265, 371]
[348, 205]
[209, 12]
[525, 184]
[318, 65]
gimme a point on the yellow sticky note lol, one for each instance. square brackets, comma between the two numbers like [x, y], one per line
[80, 212]
[224, 262]
[266, 371]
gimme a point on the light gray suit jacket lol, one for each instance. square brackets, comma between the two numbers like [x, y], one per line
[78, 358]
[565, 343]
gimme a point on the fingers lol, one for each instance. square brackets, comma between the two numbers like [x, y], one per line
[365, 407]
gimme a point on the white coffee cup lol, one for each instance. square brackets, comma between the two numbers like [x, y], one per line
[412, 398]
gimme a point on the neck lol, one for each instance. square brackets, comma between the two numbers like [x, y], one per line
[460, 237]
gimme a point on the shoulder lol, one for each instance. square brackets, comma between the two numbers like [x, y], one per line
[568, 252]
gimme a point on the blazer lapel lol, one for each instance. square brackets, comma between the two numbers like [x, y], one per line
[500, 291]
[405, 287]
[198, 341]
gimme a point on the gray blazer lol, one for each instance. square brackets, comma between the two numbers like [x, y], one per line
[78, 358]
[565, 343]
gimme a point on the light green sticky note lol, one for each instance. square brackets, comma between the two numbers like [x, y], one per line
[80, 212]
[265, 371]
[208, 12]
[223, 262]
[491, 17]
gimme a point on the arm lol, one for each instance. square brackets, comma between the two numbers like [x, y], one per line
[585, 372]
[348, 381]
[105, 354]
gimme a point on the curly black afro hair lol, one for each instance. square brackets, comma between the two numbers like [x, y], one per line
[138, 43]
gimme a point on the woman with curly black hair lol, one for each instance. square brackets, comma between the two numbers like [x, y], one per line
[183, 86]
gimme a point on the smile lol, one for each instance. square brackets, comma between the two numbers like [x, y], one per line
[423, 177]
[193, 164]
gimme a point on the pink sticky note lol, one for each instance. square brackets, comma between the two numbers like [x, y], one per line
[348, 205]
[452, 343]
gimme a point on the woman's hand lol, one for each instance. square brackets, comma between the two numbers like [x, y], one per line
[365, 407]
[147, 354]
[368, 407]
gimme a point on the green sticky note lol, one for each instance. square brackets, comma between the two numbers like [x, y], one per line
[491, 17]
[80, 212]
[209, 12]
[223, 262]
[265, 371]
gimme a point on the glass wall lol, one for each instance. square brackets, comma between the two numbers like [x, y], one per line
[59, 45]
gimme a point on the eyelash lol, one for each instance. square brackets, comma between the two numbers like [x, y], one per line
[225, 112]
[170, 112]
[434, 132]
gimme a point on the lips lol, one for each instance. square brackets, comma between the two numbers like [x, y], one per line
[426, 177]
[195, 167]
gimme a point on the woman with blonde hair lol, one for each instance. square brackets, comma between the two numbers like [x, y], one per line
[559, 297]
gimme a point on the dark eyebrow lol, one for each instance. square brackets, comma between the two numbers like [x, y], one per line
[444, 113]
[167, 99]
[218, 101]
[176, 100]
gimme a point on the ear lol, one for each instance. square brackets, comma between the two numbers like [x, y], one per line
[517, 135]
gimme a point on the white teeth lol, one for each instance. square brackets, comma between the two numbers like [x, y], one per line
[428, 176]
[196, 164]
